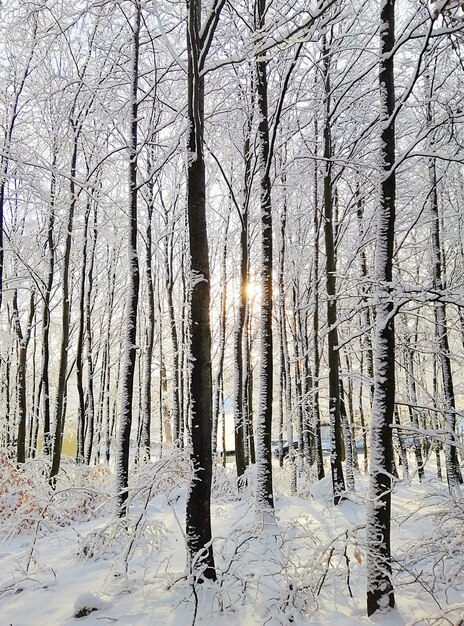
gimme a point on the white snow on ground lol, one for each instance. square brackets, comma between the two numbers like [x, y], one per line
[66, 552]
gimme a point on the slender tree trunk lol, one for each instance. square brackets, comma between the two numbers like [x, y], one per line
[315, 331]
[264, 489]
[60, 402]
[379, 584]
[413, 411]
[285, 377]
[176, 409]
[23, 337]
[45, 381]
[338, 481]
[219, 386]
[90, 419]
[453, 471]
[128, 370]
[145, 434]
[240, 325]
[81, 415]
[248, 385]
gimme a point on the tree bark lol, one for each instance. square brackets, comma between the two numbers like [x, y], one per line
[264, 489]
[130, 348]
[198, 514]
[338, 481]
[379, 584]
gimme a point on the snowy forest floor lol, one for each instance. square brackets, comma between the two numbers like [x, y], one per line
[64, 552]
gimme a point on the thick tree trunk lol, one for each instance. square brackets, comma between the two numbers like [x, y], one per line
[379, 584]
[198, 515]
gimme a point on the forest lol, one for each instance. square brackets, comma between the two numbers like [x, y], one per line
[232, 312]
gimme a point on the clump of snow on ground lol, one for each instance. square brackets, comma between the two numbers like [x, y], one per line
[89, 602]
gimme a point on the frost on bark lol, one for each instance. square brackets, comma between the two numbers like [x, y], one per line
[128, 369]
[198, 514]
[338, 481]
[453, 472]
[23, 338]
[240, 343]
[60, 404]
[264, 492]
[379, 584]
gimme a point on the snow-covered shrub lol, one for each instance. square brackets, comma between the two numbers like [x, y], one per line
[23, 497]
[435, 560]
[224, 488]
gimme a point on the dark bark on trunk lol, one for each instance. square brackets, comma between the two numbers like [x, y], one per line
[248, 384]
[338, 481]
[219, 384]
[145, 431]
[90, 417]
[65, 318]
[176, 409]
[264, 489]
[81, 415]
[411, 383]
[453, 471]
[45, 381]
[379, 584]
[198, 514]
[403, 454]
[285, 375]
[316, 416]
[240, 325]
[23, 337]
[130, 348]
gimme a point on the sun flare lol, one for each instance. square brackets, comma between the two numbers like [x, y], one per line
[251, 289]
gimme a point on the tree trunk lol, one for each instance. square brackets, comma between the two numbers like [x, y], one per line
[379, 584]
[264, 490]
[81, 415]
[90, 418]
[219, 386]
[23, 338]
[45, 381]
[65, 318]
[240, 325]
[453, 471]
[338, 481]
[145, 431]
[198, 515]
[130, 349]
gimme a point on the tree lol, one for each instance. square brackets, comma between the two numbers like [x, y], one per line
[198, 518]
[379, 584]
[130, 348]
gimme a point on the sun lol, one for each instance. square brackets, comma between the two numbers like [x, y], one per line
[251, 290]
